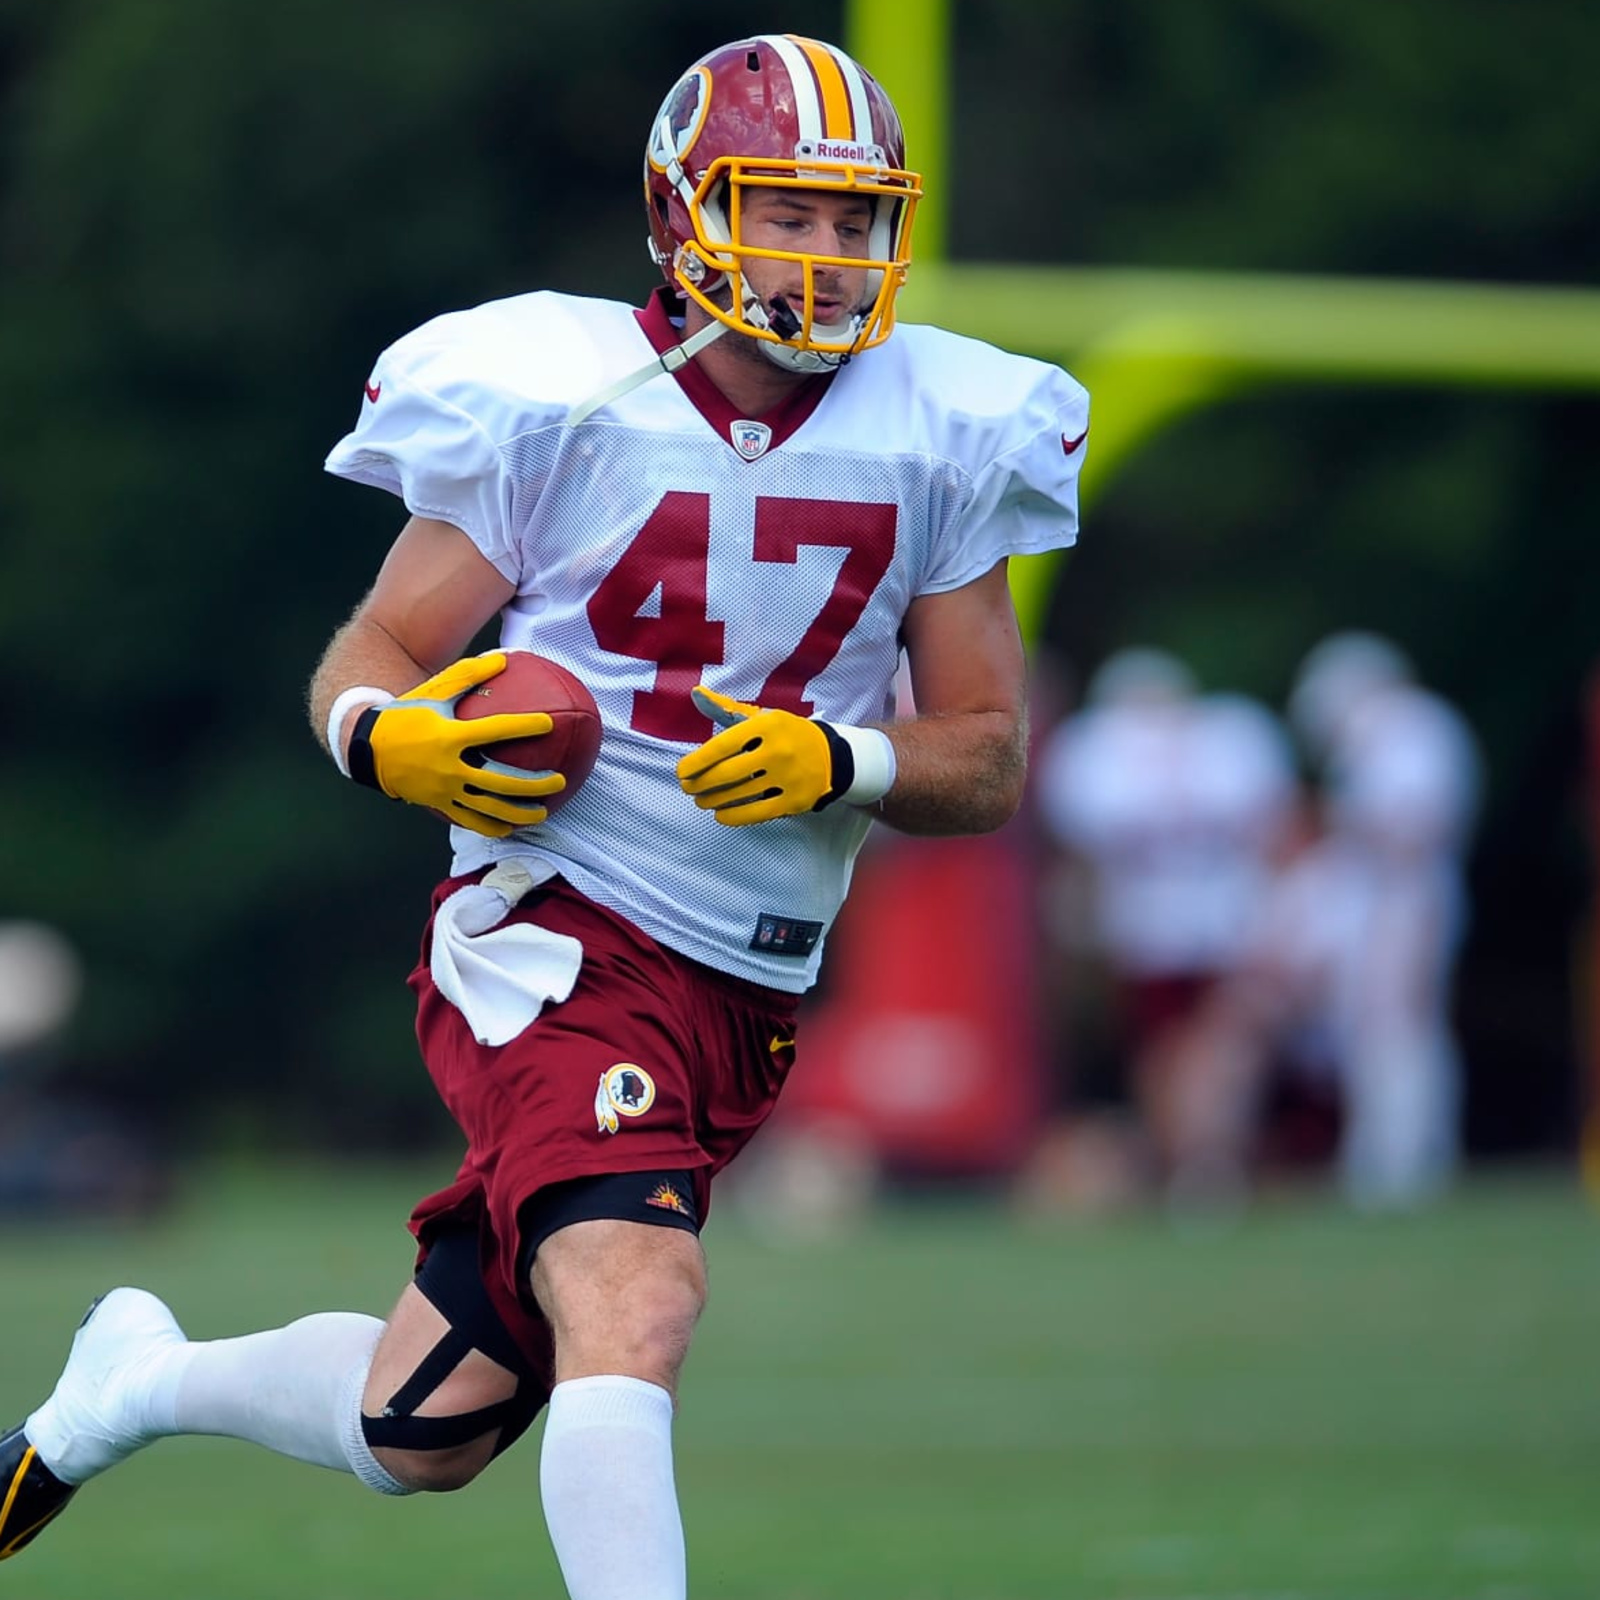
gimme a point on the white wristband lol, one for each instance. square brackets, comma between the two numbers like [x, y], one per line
[362, 695]
[875, 763]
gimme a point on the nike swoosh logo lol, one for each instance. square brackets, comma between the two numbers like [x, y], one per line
[779, 1044]
[1067, 445]
[373, 391]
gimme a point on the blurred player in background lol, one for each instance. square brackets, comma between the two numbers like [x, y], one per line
[1344, 984]
[1167, 806]
[727, 513]
[1372, 918]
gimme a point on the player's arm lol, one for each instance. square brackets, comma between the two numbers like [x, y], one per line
[382, 697]
[958, 767]
[433, 593]
[961, 762]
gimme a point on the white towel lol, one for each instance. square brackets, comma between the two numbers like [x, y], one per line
[500, 978]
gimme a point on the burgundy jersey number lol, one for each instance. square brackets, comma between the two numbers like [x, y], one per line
[668, 557]
[667, 561]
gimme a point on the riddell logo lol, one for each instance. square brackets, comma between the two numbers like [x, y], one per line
[840, 150]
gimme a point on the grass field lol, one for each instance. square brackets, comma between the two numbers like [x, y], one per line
[947, 1405]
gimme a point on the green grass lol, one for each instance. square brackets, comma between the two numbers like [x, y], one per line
[946, 1405]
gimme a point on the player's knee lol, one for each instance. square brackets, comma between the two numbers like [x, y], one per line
[667, 1305]
[639, 1323]
[437, 1471]
[652, 1331]
[438, 1450]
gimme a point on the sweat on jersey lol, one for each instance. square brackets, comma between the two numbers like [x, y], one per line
[666, 541]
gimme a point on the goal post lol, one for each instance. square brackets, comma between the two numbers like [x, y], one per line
[1154, 346]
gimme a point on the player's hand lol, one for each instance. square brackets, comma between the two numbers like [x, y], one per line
[763, 764]
[414, 749]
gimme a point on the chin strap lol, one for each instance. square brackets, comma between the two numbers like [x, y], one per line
[780, 318]
[668, 361]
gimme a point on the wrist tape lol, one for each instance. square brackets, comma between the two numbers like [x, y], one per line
[363, 694]
[363, 766]
[863, 764]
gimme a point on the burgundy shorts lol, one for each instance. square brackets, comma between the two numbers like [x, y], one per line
[1153, 1005]
[654, 1062]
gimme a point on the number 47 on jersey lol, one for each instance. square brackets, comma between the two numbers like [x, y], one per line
[671, 556]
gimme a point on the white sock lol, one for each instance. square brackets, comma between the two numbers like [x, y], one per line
[295, 1390]
[605, 1473]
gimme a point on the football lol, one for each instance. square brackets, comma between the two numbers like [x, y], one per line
[533, 682]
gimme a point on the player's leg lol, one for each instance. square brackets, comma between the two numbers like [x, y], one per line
[93, 1418]
[441, 1406]
[621, 1295]
[131, 1377]
[622, 1298]
[449, 1389]
[1400, 1139]
[338, 1388]
[687, 1068]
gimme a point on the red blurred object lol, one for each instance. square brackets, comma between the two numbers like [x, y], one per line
[924, 1046]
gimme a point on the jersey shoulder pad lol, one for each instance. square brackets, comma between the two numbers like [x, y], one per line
[512, 365]
[982, 401]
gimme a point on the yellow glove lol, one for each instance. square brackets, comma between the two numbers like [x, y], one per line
[414, 749]
[766, 764]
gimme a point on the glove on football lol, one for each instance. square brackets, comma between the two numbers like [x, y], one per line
[763, 764]
[414, 749]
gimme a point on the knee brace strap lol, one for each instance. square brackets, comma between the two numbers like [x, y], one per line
[399, 1428]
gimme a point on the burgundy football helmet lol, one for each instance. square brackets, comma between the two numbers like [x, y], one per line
[778, 111]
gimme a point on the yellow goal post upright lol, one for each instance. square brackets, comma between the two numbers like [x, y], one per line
[1154, 346]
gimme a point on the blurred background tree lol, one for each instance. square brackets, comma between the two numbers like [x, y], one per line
[212, 217]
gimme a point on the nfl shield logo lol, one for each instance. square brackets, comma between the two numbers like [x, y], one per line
[751, 439]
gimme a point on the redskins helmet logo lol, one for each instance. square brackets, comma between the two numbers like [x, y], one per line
[679, 121]
[625, 1090]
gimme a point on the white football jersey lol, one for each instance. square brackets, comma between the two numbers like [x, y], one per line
[666, 541]
[1179, 806]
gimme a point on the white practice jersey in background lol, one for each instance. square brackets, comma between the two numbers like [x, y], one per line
[665, 542]
[1180, 808]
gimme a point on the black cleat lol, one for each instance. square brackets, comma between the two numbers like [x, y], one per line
[31, 1495]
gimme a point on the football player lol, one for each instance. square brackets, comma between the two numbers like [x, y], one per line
[727, 513]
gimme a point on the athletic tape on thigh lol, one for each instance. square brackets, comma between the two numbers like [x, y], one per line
[451, 1280]
[398, 1428]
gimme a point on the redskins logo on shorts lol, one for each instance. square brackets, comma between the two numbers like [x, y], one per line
[625, 1091]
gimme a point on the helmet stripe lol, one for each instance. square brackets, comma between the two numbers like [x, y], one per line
[835, 96]
[860, 104]
[807, 108]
